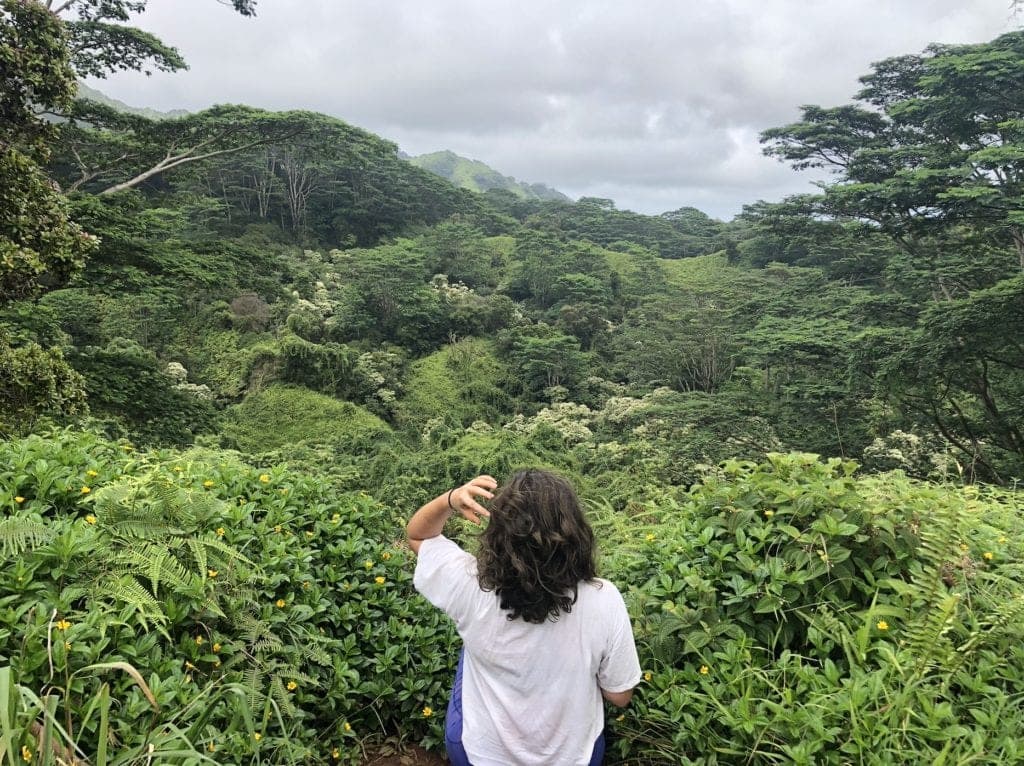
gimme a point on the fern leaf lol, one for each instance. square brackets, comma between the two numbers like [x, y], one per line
[18, 535]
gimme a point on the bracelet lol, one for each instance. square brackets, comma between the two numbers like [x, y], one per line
[454, 509]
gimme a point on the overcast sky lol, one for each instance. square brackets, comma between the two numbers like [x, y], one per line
[653, 103]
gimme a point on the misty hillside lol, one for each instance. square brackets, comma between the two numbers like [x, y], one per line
[478, 177]
[85, 92]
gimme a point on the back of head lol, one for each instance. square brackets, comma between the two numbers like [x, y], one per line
[537, 547]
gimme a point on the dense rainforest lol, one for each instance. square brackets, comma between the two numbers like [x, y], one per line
[239, 347]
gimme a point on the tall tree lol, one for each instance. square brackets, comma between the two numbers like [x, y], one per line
[39, 246]
[934, 157]
[100, 41]
[938, 143]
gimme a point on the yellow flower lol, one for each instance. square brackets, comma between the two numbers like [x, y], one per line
[257, 736]
[335, 754]
[127, 447]
[649, 538]
[385, 556]
[67, 646]
[379, 580]
[264, 478]
[769, 513]
[26, 754]
[882, 625]
[347, 726]
[216, 648]
[85, 490]
[200, 640]
[306, 585]
[220, 531]
[190, 666]
[211, 748]
[91, 472]
[308, 533]
[19, 499]
[647, 676]
[427, 712]
[63, 625]
[284, 491]
[208, 483]
[368, 564]
[178, 468]
[211, 573]
[621, 717]
[704, 670]
[281, 603]
[336, 518]
[988, 555]
[90, 519]
[217, 664]
[277, 528]
[964, 547]
[292, 686]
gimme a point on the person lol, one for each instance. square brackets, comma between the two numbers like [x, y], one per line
[544, 638]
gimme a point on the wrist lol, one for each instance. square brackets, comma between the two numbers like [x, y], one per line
[451, 508]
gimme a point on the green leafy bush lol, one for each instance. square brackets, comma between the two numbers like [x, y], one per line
[282, 415]
[789, 612]
[271, 617]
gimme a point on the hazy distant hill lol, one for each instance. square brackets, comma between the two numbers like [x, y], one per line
[476, 176]
[84, 91]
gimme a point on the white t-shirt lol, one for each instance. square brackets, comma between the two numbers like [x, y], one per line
[530, 693]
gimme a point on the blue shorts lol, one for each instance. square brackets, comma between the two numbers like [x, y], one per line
[453, 727]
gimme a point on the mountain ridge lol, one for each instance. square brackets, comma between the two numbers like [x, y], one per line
[479, 177]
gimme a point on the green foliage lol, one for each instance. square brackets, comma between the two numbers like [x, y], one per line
[476, 176]
[126, 383]
[932, 160]
[786, 611]
[34, 63]
[546, 358]
[680, 234]
[35, 381]
[789, 612]
[463, 382]
[267, 617]
[40, 247]
[281, 415]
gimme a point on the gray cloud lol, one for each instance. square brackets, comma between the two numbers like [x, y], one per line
[656, 104]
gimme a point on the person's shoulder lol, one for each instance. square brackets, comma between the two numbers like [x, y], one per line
[600, 590]
[441, 549]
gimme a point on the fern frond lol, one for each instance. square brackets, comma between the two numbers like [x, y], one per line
[127, 590]
[198, 555]
[941, 534]
[311, 651]
[161, 569]
[281, 696]
[225, 549]
[18, 535]
[267, 643]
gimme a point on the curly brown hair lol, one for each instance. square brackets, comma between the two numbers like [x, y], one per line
[537, 547]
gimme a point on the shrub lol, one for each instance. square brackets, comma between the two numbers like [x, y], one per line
[286, 414]
[252, 601]
[250, 313]
[789, 612]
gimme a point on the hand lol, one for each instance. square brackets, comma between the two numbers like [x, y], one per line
[463, 498]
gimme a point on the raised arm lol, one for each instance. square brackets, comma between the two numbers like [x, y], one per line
[429, 520]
